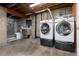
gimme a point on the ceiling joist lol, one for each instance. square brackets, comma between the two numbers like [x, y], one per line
[60, 6]
[15, 13]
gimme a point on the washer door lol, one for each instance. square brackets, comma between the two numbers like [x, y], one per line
[64, 28]
[45, 28]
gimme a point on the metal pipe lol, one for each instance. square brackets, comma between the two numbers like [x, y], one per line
[37, 12]
[47, 9]
[41, 11]
[50, 13]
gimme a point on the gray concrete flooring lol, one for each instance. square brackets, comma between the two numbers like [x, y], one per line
[31, 47]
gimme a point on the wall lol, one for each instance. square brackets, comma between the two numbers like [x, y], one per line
[19, 23]
[3, 26]
[10, 27]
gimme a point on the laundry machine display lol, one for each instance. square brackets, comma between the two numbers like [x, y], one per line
[64, 33]
[46, 32]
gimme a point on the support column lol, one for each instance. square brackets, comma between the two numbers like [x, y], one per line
[3, 26]
[33, 26]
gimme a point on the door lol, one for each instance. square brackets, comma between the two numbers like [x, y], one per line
[45, 28]
[64, 28]
[77, 29]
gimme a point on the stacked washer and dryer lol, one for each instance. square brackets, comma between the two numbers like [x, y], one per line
[61, 30]
[64, 33]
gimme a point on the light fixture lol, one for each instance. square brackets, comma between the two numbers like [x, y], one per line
[32, 5]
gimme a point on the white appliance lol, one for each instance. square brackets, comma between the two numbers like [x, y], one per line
[18, 35]
[46, 32]
[64, 33]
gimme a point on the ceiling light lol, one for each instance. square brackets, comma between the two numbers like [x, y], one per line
[32, 5]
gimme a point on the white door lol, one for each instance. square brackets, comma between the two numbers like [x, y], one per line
[64, 31]
[63, 28]
[45, 28]
[78, 29]
[78, 42]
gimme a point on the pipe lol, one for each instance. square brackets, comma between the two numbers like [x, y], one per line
[41, 11]
[50, 13]
[47, 9]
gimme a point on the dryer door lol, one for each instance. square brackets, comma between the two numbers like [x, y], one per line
[45, 28]
[64, 28]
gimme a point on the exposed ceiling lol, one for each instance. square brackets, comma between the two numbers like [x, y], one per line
[23, 9]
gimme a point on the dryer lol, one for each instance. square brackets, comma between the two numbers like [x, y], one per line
[64, 33]
[46, 32]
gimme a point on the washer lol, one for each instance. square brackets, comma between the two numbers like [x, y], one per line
[46, 33]
[64, 33]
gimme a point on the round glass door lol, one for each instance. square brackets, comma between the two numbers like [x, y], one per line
[45, 28]
[63, 28]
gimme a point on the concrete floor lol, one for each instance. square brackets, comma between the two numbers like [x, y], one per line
[31, 47]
